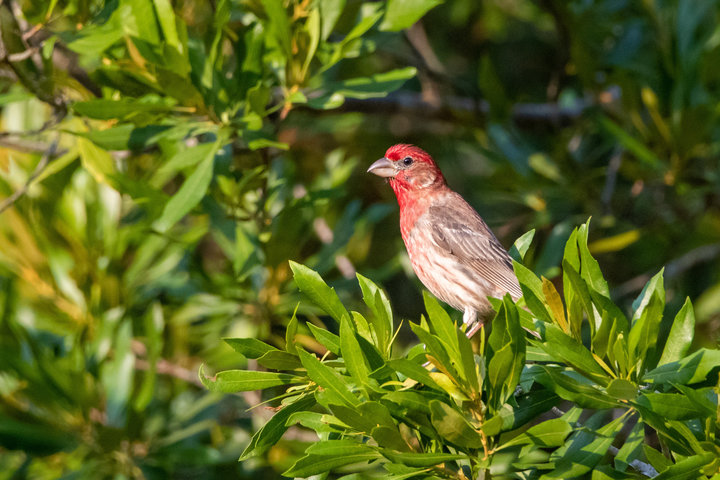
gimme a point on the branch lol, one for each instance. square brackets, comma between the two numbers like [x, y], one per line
[673, 269]
[642, 467]
[162, 366]
[42, 164]
[451, 108]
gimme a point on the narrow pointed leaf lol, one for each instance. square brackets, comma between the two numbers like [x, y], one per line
[328, 378]
[274, 429]
[311, 284]
[231, 381]
[681, 335]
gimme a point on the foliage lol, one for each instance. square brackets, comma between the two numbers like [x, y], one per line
[471, 413]
[160, 161]
[159, 217]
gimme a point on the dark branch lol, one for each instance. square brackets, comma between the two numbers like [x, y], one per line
[453, 108]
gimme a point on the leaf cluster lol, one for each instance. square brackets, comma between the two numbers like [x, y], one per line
[449, 409]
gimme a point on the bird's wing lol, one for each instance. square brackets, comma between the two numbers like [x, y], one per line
[462, 233]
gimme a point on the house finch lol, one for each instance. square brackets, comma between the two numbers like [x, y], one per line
[452, 250]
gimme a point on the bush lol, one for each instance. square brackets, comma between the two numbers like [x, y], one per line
[493, 408]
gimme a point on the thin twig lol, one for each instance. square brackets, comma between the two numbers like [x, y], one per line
[642, 467]
[162, 366]
[675, 268]
[42, 164]
[610, 181]
[451, 108]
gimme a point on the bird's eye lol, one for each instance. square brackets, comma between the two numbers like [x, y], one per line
[407, 161]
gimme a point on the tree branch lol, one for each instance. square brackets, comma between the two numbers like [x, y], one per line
[453, 108]
[674, 268]
[42, 164]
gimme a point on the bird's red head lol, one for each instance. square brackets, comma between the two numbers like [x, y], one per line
[410, 170]
[403, 150]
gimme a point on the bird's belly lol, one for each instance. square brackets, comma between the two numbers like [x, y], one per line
[444, 276]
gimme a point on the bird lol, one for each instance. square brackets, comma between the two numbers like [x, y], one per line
[452, 250]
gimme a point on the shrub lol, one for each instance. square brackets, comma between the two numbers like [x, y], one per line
[449, 409]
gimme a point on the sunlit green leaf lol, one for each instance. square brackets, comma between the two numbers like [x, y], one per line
[312, 285]
[230, 381]
[402, 14]
[328, 378]
[681, 335]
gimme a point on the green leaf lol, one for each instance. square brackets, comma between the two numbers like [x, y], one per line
[274, 429]
[531, 287]
[589, 267]
[355, 361]
[379, 305]
[622, 389]
[249, 347]
[312, 27]
[327, 339]
[577, 289]
[182, 159]
[441, 325]
[633, 145]
[568, 388]
[453, 427]
[687, 468]
[330, 11]
[353, 418]
[467, 361]
[566, 348]
[528, 407]
[103, 109]
[550, 433]
[339, 447]
[190, 193]
[279, 360]
[632, 448]
[505, 355]
[521, 246]
[313, 464]
[688, 370]
[279, 24]
[326, 377]
[311, 284]
[166, 18]
[436, 348]
[672, 406]
[681, 335]
[401, 14]
[585, 451]
[704, 399]
[125, 137]
[231, 381]
[409, 399]
[290, 332]
[656, 459]
[646, 321]
[374, 86]
[96, 161]
[420, 459]
[389, 437]
[412, 370]
[13, 97]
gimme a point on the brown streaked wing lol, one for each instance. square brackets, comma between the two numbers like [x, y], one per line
[462, 233]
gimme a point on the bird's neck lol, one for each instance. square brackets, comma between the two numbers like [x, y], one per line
[414, 202]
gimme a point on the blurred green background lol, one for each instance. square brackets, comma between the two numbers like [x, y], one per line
[160, 162]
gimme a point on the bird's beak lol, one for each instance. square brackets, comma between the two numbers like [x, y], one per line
[382, 168]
